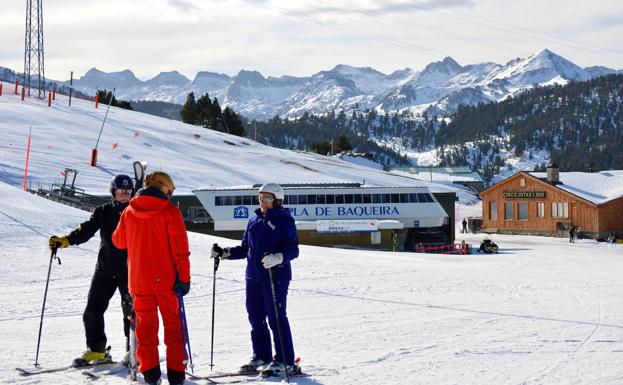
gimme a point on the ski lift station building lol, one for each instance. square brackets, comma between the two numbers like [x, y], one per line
[343, 214]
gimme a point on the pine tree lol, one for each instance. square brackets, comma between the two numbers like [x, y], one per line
[233, 121]
[189, 111]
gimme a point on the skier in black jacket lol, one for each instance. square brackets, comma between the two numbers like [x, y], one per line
[111, 270]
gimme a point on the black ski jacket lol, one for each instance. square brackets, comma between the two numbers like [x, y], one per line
[110, 260]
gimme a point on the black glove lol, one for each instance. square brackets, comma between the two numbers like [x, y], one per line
[184, 287]
[219, 252]
[56, 242]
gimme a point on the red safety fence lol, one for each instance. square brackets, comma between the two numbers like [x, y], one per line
[452, 248]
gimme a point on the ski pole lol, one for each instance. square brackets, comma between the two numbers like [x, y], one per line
[45, 296]
[216, 262]
[185, 339]
[283, 349]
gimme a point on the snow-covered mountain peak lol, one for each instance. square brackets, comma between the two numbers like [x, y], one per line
[171, 78]
[95, 80]
[203, 75]
[540, 68]
[99, 79]
[250, 79]
[438, 85]
[347, 70]
[446, 66]
[439, 72]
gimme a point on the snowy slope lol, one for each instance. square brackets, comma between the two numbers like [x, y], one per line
[443, 85]
[543, 311]
[63, 137]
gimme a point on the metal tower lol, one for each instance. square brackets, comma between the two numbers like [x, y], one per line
[34, 70]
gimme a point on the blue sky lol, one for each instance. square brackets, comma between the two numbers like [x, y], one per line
[281, 37]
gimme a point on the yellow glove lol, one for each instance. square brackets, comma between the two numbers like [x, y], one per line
[56, 242]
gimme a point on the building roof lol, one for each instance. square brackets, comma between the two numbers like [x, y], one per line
[597, 187]
[449, 174]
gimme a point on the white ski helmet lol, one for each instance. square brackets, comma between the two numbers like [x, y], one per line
[273, 188]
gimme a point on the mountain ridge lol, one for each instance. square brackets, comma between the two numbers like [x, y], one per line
[439, 88]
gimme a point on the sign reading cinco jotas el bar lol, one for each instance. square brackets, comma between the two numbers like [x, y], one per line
[524, 194]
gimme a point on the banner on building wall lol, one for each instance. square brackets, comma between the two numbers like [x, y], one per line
[347, 226]
[524, 194]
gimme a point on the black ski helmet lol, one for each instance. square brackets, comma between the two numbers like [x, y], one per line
[121, 181]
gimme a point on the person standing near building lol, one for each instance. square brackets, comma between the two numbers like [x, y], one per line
[153, 232]
[464, 231]
[572, 234]
[111, 270]
[269, 242]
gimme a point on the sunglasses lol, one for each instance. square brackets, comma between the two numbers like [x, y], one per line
[124, 191]
[265, 199]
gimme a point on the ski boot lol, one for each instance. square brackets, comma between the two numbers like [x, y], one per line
[90, 357]
[253, 365]
[277, 369]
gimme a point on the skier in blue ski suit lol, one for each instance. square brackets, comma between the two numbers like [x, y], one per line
[270, 241]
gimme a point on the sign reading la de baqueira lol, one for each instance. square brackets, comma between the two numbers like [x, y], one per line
[524, 194]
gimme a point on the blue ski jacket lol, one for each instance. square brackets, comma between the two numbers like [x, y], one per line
[273, 232]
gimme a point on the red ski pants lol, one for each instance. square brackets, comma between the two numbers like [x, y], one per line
[146, 307]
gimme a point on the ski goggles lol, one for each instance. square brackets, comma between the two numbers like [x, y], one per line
[265, 199]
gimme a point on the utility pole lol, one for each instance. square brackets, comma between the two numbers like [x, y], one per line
[71, 86]
[34, 68]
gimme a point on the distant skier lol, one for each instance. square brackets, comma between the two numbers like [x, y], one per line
[111, 270]
[270, 241]
[152, 230]
[464, 231]
[572, 234]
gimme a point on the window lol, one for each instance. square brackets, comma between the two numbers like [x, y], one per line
[522, 182]
[523, 211]
[387, 198]
[377, 198]
[229, 200]
[375, 237]
[395, 198]
[367, 198]
[413, 197]
[348, 198]
[508, 211]
[540, 209]
[247, 200]
[320, 199]
[330, 199]
[493, 211]
[339, 199]
[357, 198]
[560, 210]
[404, 198]
[293, 199]
[311, 199]
[302, 199]
[238, 200]
[218, 201]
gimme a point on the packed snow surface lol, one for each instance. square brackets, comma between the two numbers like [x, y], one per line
[542, 311]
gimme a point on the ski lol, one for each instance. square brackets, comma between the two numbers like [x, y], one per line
[97, 375]
[222, 375]
[259, 377]
[139, 174]
[219, 378]
[36, 371]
